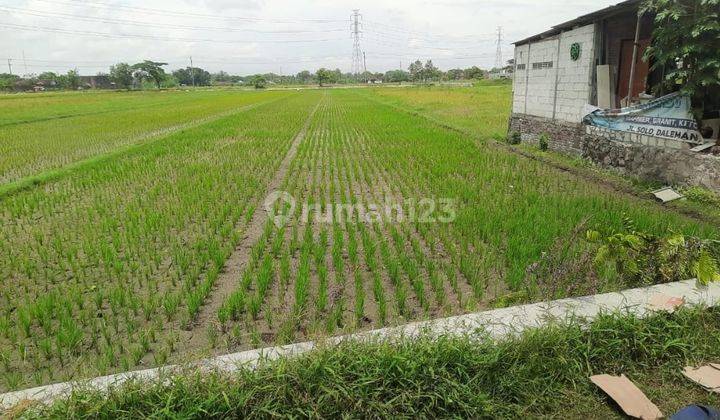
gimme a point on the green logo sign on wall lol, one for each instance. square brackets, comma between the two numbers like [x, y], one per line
[575, 51]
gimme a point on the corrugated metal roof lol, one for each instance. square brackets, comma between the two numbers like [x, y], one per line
[584, 20]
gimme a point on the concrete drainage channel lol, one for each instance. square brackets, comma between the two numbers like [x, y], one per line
[496, 323]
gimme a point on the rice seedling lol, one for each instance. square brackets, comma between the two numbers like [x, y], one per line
[105, 267]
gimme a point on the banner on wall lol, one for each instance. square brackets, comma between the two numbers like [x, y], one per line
[668, 117]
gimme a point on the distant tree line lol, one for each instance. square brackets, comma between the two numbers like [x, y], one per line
[70, 80]
[152, 74]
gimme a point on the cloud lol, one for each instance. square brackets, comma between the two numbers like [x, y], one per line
[233, 5]
[249, 36]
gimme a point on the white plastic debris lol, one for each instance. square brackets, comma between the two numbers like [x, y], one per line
[703, 147]
[667, 194]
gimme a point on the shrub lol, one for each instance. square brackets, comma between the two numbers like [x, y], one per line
[514, 138]
[701, 195]
[641, 259]
[543, 142]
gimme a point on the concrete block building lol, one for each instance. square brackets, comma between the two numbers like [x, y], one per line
[586, 61]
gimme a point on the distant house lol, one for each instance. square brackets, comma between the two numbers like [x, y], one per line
[497, 74]
[101, 81]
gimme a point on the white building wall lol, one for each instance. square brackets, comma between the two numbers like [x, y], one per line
[541, 82]
[521, 58]
[575, 77]
[538, 97]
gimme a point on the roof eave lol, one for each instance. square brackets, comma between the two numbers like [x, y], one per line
[605, 13]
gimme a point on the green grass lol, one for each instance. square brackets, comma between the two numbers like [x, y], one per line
[110, 262]
[483, 109]
[40, 133]
[103, 264]
[543, 373]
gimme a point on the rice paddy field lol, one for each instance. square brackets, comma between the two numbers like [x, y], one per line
[135, 228]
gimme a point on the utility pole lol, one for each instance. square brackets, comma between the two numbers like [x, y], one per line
[364, 63]
[25, 63]
[192, 71]
[499, 54]
[10, 66]
[357, 52]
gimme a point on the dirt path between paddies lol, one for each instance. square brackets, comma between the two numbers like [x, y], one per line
[196, 341]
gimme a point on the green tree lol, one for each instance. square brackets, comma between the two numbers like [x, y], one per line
[365, 76]
[122, 75]
[323, 76]
[7, 81]
[190, 75]
[455, 74]
[336, 76]
[71, 80]
[150, 69]
[396, 76]
[430, 72]
[222, 77]
[304, 77]
[48, 78]
[258, 81]
[47, 75]
[474, 72]
[686, 47]
[416, 71]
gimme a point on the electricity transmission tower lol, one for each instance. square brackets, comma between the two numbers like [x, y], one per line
[192, 71]
[499, 55]
[357, 58]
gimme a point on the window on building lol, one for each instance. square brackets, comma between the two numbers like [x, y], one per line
[542, 65]
[521, 67]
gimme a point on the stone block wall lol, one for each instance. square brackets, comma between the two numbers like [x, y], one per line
[648, 158]
[670, 166]
[562, 136]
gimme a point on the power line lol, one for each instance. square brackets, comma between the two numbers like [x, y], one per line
[165, 12]
[180, 61]
[399, 44]
[427, 36]
[378, 34]
[499, 53]
[156, 38]
[68, 16]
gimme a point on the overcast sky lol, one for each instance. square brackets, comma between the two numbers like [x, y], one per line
[253, 36]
